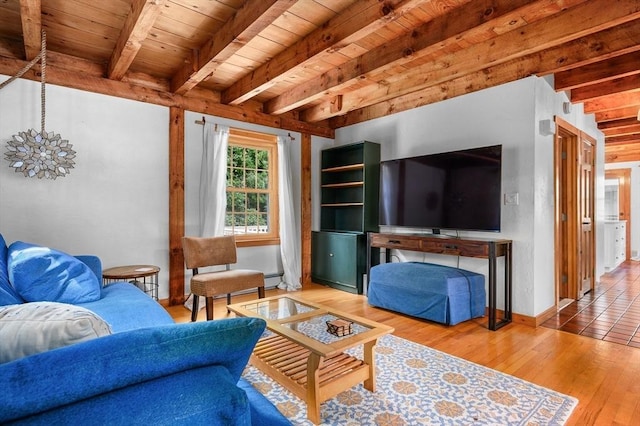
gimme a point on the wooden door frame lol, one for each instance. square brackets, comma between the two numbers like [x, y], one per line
[624, 194]
[568, 187]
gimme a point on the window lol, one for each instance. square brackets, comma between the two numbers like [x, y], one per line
[252, 188]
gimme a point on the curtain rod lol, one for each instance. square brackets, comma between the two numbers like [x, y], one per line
[203, 121]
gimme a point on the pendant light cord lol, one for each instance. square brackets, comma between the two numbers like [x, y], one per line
[43, 57]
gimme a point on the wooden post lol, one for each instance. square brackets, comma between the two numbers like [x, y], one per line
[305, 202]
[176, 205]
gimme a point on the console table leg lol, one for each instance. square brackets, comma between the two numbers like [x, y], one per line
[370, 359]
[313, 387]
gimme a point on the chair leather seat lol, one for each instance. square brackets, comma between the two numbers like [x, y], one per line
[210, 284]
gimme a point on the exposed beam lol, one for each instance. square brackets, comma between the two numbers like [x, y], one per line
[620, 153]
[613, 101]
[615, 124]
[253, 17]
[617, 114]
[625, 139]
[598, 90]
[623, 131]
[142, 16]
[477, 19]
[128, 90]
[586, 50]
[619, 66]
[31, 17]
[576, 22]
[360, 19]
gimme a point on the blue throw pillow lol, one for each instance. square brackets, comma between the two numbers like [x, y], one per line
[42, 274]
[8, 295]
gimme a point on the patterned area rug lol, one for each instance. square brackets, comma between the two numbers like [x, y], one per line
[417, 385]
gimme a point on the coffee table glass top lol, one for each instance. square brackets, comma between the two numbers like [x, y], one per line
[277, 309]
[292, 316]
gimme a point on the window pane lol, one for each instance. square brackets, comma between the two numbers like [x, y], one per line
[250, 178]
[228, 220]
[237, 155]
[239, 201]
[252, 202]
[238, 178]
[239, 220]
[229, 201]
[262, 180]
[263, 160]
[263, 203]
[250, 158]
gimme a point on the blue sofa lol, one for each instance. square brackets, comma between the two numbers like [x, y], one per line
[146, 370]
[424, 290]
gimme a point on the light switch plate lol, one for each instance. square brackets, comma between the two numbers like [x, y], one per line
[511, 198]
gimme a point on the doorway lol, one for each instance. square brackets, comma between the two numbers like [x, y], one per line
[574, 156]
[618, 182]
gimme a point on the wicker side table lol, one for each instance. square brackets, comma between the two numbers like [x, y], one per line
[145, 277]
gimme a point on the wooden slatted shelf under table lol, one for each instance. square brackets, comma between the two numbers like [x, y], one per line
[303, 355]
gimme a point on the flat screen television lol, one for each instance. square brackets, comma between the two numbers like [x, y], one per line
[458, 190]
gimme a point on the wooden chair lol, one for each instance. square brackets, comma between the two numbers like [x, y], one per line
[216, 251]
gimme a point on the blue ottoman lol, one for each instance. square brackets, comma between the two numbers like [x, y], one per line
[434, 292]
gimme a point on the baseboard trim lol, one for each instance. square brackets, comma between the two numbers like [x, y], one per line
[527, 320]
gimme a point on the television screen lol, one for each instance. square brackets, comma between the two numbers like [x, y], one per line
[458, 190]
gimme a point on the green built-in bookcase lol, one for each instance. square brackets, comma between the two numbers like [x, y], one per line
[350, 181]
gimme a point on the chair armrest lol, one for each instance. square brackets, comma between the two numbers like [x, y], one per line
[93, 262]
[66, 375]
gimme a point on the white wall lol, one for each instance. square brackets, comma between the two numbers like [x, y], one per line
[114, 203]
[506, 115]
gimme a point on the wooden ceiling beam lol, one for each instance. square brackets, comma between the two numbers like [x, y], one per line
[31, 17]
[616, 124]
[474, 20]
[623, 139]
[127, 90]
[613, 101]
[586, 50]
[606, 88]
[623, 152]
[623, 131]
[140, 20]
[360, 19]
[253, 17]
[617, 114]
[616, 67]
[576, 22]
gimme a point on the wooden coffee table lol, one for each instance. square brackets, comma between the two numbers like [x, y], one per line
[304, 357]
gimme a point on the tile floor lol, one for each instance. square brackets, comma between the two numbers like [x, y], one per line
[610, 312]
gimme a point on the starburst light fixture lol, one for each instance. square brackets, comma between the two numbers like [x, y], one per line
[41, 155]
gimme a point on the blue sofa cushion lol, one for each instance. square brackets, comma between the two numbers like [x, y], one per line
[8, 295]
[43, 274]
[104, 367]
[125, 307]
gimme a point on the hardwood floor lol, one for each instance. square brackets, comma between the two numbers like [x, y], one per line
[603, 376]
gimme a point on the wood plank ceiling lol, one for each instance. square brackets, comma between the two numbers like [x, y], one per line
[317, 65]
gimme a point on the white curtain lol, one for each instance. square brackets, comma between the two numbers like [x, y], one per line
[213, 186]
[289, 230]
[213, 180]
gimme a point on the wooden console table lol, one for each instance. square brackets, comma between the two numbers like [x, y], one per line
[467, 247]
